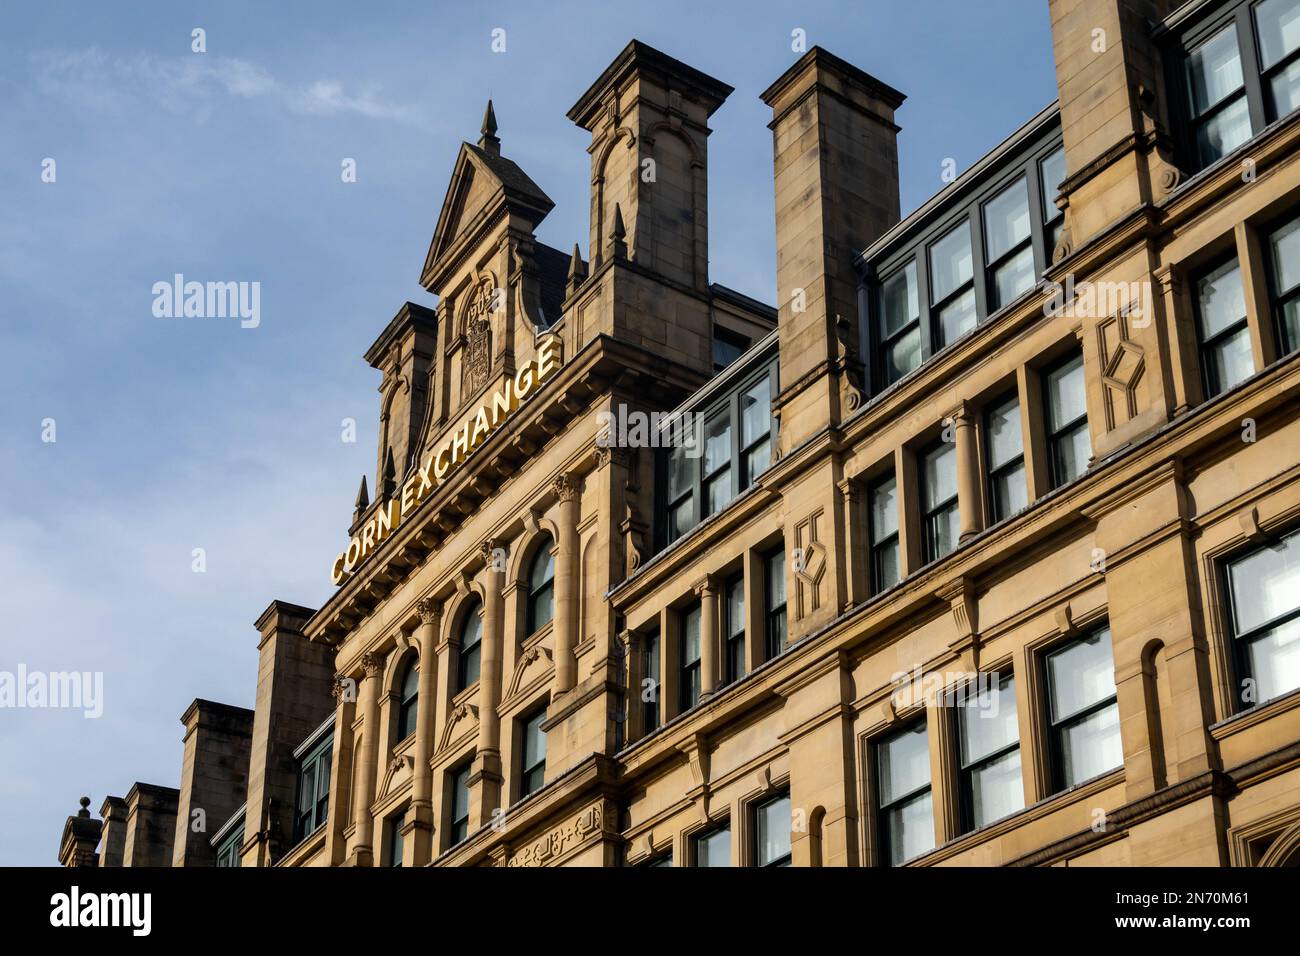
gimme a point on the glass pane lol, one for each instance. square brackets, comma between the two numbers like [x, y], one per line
[899, 302]
[1290, 326]
[1080, 675]
[681, 519]
[942, 533]
[1220, 299]
[1274, 661]
[757, 461]
[776, 580]
[1066, 398]
[541, 607]
[1284, 90]
[1265, 584]
[957, 318]
[773, 830]
[1010, 493]
[714, 849]
[323, 781]
[469, 665]
[472, 631]
[736, 607]
[996, 790]
[901, 356]
[691, 636]
[1284, 251]
[1091, 746]
[543, 567]
[1013, 278]
[717, 491]
[726, 350]
[756, 411]
[1231, 362]
[987, 714]
[939, 475]
[884, 510]
[307, 788]
[534, 740]
[1006, 220]
[886, 567]
[460, 795]
[950, 262]
[681, 473]
[1070, 454]
[717, 444]
[1278, 24]
[1004, 438]
[1052, 170]
[904, 761]
[910, 828]
[1214, 70]
[1228, 129]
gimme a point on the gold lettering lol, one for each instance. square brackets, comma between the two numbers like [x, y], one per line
[524, 381]
[387, 518]
[337, 574]
[368, 538]
[503, 402]
[408, 496]
[443, 456]
[353, 553]
[426, 483]
[480, 427]
[548, 358]
[460, 444]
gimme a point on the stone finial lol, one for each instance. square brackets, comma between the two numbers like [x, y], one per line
[390, 475]
[488, 139]
[618, 235]
[577, 270]
[363, 500]
[85, 807]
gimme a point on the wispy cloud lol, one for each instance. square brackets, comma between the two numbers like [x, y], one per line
[91, 79]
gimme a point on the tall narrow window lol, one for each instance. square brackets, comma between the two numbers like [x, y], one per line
[395, 824]
[1277, 23]
[313, 787]
[471, 637]
[941, 523]
[650, 680]
[690, 658]
[1225, 337]
[952, 286]
[1051, 173]
[541, 587]
[681, 492]
[1005, 451]
[899, 326]
[459, 829]
[1068, 444]
[904, 814]
[772, 824]
[1082, 709]
[714, 847]
[1284, 283]
[534, 759]
[756, 429]
[1217, 95]
[727, 347]
[1264, 593]
[228, 849]
[717, 463]
[883, 533]
[410, 702]
[990, 751]
[1009, 245]
[735, 613]
[775, 587]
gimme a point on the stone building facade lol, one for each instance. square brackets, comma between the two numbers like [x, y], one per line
[980, 549]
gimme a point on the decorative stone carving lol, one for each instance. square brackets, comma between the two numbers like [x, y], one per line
[429, 610]
[809, 565]
[566, 487]
[1123, 363]
[372, 664]
[561, 839]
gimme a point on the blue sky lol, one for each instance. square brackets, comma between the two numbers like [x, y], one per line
[180, 434]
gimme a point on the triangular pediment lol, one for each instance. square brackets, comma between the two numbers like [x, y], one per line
[483, 184]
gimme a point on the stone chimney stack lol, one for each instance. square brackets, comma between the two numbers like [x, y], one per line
[214, 777]
[113, 841]
[150, 825]
[80, 837]
[404, 353]
[648, 118]
[836, 175]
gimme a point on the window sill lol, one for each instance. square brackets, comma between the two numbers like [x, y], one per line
[1254, 715]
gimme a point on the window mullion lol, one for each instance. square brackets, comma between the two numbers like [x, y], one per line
[1247, 49]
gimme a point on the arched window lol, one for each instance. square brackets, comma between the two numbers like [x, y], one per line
[471, 636]
[541, 587]
[410, 700]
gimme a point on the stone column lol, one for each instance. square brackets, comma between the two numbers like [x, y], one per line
[421, 813]
[485, 776]
[566, 584]
[969, 499]
[363, 846]
[707, 592]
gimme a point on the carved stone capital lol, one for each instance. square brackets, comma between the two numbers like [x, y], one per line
[566, 486]
[372, 664]
[429, 610]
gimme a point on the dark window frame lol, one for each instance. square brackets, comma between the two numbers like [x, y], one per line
[651, 661]
[227, 851]
[882, 809]
[307, 820]
[408, 707]
[1053, 437]
[876, 547]
[757, 837]
[1211, 387]
[393, 827]
[723, 826]
[776, 625]
[693, 496]
[1026, 160]
[994, 473]
[527, 785]
[929, 542]
[690, 683]
[1279, 298]
[733, 640]
[458, 826]
[966, 769]
[536, 591]
[1056, 727]
[731, 339]
[1185, 39]
[992, 266]
[463, 680]
[1239, 644]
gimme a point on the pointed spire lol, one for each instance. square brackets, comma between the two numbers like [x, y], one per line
[363, 501]
[577, 271]
[390, 474]
[488, 139]
[617, 235]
